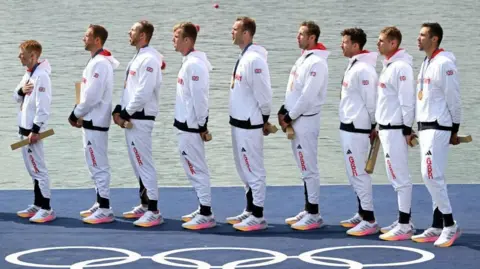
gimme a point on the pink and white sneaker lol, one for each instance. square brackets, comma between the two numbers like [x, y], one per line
[43, 216]
[101, 215]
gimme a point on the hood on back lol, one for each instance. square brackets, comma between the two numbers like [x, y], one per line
[449, 55]
[399, 55]
[259, 50]
[200, 55]
[45, 65]
[157, 54]
[319, 50]
[366, 56]
[108, 55]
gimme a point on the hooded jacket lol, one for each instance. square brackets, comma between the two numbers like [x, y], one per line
[396, 93]
[191, 106]
[34, 106]
[141, 94]
[307, 84]
[250, 91]
[96, 92]
[439, 103]
[359, 94]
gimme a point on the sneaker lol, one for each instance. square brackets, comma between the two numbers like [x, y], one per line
[351, 222]
[149, 219]
[189, 217]
[43, 216]
[429, 235]
[448, 236]
[29, 212]
[399, 232]
[200, 222]
[239, 218]
[386, 229]
[101, 215]
[308, 222]
[251, 223]
[364, 228]
[298, 217]
[136, 212]
[90, 211]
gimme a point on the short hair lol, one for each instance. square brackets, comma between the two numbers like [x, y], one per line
[248, 24]
[434, 29]
[32, 46]
[312, 29]
[357, 35]
[100, 32]
[147, 28]
[392, 33]
[188, 30]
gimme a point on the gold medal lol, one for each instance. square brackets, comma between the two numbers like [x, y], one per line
[420, 95]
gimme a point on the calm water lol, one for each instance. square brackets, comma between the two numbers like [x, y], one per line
[59, 26]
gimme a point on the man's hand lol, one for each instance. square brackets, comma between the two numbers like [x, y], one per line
[409, 138]
[27, 89]
[454, 139]
[33, 138]
[205, 136]
[373, 135]
[266, 126]
[282, 122]
[116, 118]
[72, 123]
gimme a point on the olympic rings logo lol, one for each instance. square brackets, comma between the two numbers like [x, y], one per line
[165, 258]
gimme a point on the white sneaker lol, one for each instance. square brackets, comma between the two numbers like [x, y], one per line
[351, 222]
[90, 211]
[251, 223]
[448, 236]
[101, 215]
[43, 216]
[429, 235]
[200, 222]
[364, 228]
[149, 219]
[308, 222]
[29, 212]
[239, 218]
[399, 232]
[189, 217]
[136, 212]
[298, 217]
[386, 229]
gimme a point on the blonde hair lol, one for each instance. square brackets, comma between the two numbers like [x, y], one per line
[31, 46]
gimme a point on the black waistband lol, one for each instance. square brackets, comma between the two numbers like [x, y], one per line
[349, 127]
[433, 125]
[284, 111]
[244, 124]
[140, 115]
[88, 124]
[388, 127]
[23, 131]
[183, 126]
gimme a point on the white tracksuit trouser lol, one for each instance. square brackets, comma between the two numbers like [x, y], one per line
[355, 148]
[434, 147]
[34, 159]
[395, 151]
[139, 145]
[247, 145]
[304, 148]
[191, 148]
[95, 145]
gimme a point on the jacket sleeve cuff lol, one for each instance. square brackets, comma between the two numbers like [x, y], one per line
[406, 130]
[282, 110]
[124, 115]
[20, 92]
[73, 117]
[374, 126]
[287, 118]
[35, 129]
[455, 128]
[118, 109]
[265, 118]
[203, 128]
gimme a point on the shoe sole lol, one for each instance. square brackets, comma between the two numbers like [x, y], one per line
[25, 215]
[44, 220]
[397, 237]
[364, 233]
[99, 221]
[149, 224]
[199, 226]
[449, 243]
[132, 216]
[251, 228]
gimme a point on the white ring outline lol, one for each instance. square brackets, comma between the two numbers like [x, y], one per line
[277, 257]
[309, 258]
[132, 257]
